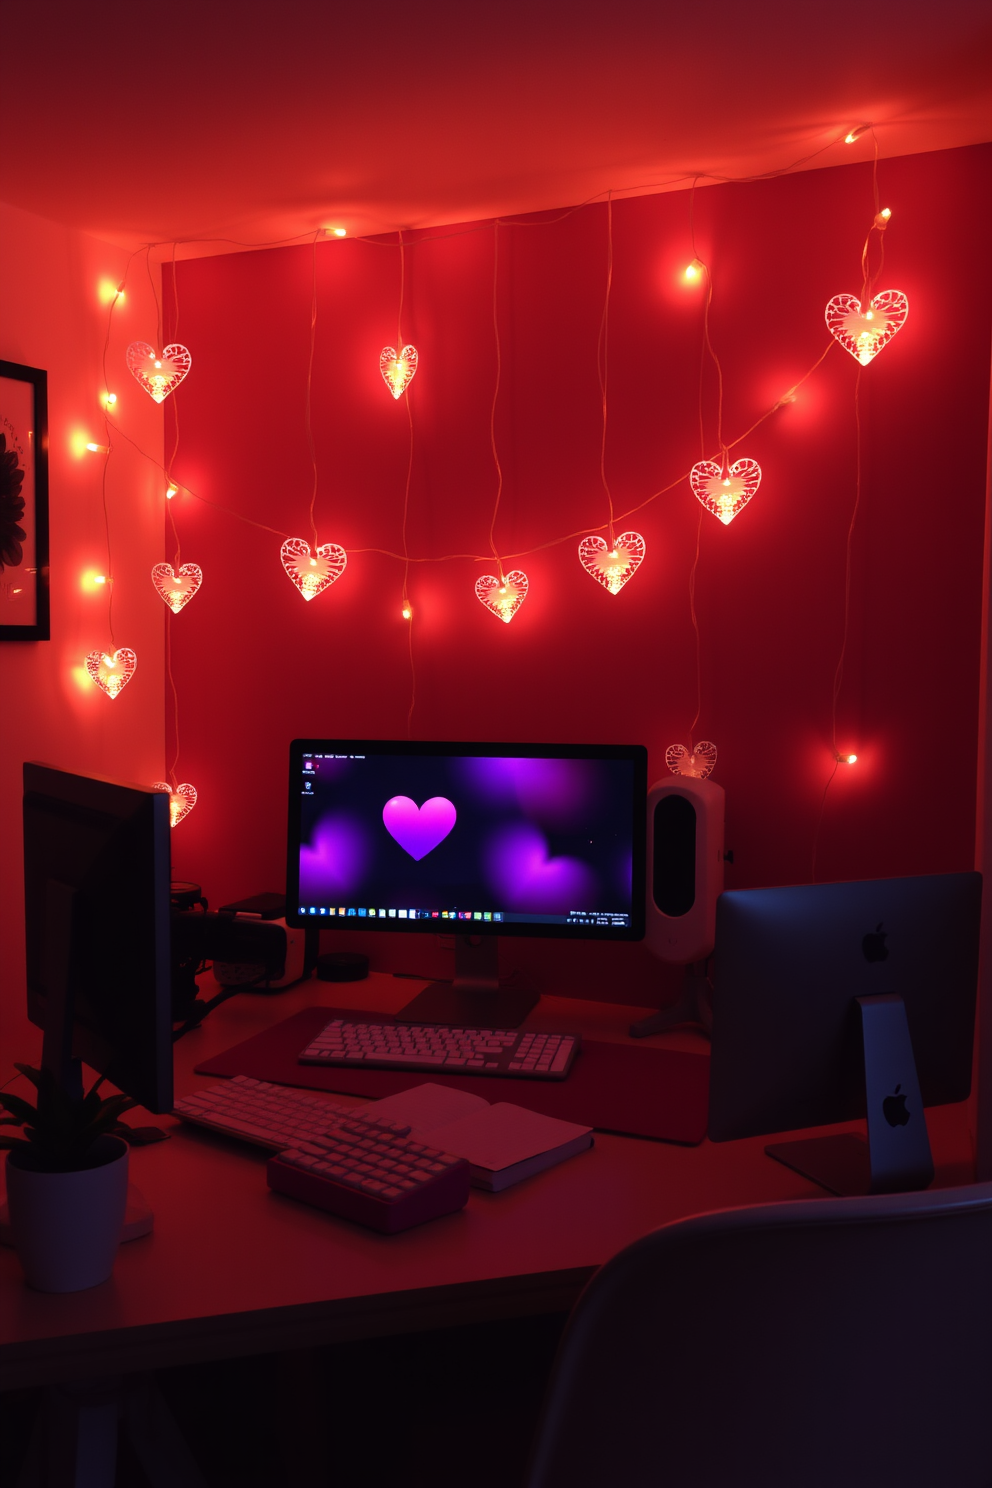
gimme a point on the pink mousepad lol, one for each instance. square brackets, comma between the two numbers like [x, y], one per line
[627, 1088]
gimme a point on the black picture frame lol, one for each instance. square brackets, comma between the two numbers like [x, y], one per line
[24, 606]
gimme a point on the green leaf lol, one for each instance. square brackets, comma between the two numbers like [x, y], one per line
[17, 1107]
[30, 1073]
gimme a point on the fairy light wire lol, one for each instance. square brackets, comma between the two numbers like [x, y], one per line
[603, 364]
[492, 411]
[309, 393]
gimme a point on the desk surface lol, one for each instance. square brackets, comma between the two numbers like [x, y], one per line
[233, 1269]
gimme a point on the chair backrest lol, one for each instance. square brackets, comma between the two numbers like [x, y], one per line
[829, 1343]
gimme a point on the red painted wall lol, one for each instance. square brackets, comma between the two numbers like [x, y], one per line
[255, 666]
[53, 315]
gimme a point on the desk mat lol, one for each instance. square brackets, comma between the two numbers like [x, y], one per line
[626, 1088]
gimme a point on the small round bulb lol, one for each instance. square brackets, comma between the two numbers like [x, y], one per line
[170, 492]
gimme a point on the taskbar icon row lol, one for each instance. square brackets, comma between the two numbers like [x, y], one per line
[349, 912]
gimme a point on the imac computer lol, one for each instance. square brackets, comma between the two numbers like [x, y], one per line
[474, 841]
[833, 1002]
[97, 934]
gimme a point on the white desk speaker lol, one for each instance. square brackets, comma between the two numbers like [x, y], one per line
[684, 868]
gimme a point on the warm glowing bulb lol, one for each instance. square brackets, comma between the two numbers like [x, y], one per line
[407, 612]
[108, 660]
[158, 361]
[97, 449]
[170, 492]
[340, 232]
[99, 578]
[108, 291]
[851, 759]
[693, 271]
[110, 399]
[855, 134]
[397, 367]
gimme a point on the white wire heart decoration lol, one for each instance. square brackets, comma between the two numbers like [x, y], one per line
[181, 800]
[612, 567]
[159, 373]
[312, 570]
[725, 492]
[864, 332]
[111, 673]
[177, 588]
[697, 762]
[503, 596]
[398, 368]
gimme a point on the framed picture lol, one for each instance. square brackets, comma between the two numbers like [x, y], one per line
[23, 503]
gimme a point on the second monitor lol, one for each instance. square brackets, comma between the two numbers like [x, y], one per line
[470, 840]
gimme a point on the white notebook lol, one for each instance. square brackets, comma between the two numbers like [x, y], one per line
[503, 1143]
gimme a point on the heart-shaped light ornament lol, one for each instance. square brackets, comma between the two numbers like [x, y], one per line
[177, 589]
[397, 368]
[158, 372]
[112, 671]
[503, 596]
[725, 492]
[312, 571]
[612, 567]
[864, 332]
[181, 800]
[696, 762]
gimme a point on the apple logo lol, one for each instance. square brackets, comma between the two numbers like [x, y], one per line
[873, 945]
[894, 1108]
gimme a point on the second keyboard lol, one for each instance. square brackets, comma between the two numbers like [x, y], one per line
[437, 1048]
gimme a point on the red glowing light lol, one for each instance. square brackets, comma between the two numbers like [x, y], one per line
[177, 588]
[864, 333]
[398, 368]
[504, 595]
[111, 673]
[612, 567]
[159, 373]
[312, 571]
[181, 800]
[727, 491]
[697, 762]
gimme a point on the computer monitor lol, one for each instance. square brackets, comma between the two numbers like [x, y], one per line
[469, 840]
[96, 912]
[838, 1001]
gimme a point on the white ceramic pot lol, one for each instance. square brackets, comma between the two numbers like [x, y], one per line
[66, 1227]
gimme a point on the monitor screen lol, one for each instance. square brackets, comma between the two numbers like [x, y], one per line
[481, 839]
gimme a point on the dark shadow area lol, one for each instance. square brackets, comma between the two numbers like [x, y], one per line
[434, 1409]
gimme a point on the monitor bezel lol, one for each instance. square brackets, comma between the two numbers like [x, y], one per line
[635, 754]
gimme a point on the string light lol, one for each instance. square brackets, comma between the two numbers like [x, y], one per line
[846, 759]
[612, 566]
[181, 800]
[109, 399]
[697, 763]
[398, 368]
[112, 672]
[694, 271]
[865, 332]
[503, 595]
[312, 571]
[97, 449]
[855, 134]
[89, 580]
[171, 491]
[407, 611]
[725, 491]
[158, 373]
[177, 587]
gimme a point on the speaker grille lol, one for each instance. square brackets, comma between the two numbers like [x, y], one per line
[674, 878]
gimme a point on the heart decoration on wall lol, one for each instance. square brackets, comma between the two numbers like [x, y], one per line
[181, 800]
[398, 368]
[697, 762]
[612, 567]
[158, 373]
[312, 571]
[864, 333]
[111, 673]
[504, 597]
[725, 492]
[177, 589]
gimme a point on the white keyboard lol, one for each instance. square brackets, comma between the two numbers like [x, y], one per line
[432, 1048]
[270, 1116]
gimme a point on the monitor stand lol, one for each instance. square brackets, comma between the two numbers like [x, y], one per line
[475, 998]
[896, 1157]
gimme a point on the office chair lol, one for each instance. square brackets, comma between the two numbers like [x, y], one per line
[831, 1343]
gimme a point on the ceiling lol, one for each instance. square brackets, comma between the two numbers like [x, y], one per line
[264, 119]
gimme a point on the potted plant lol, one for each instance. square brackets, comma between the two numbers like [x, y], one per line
[66, 1182]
